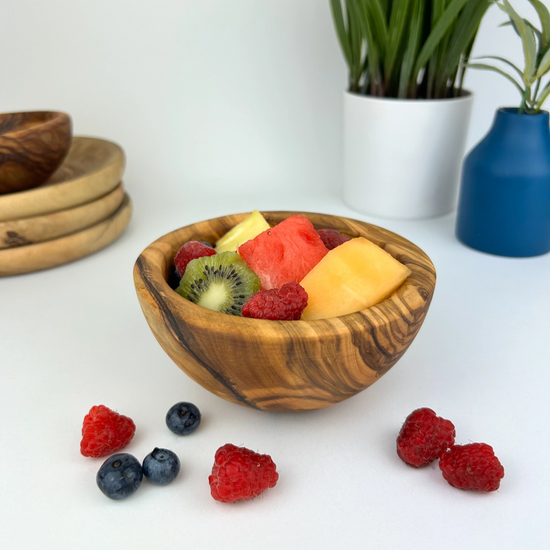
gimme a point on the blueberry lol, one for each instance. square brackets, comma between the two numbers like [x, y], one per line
[119, 476]
[183, 418]
[161, 466]
[173, 279]
[206, 243]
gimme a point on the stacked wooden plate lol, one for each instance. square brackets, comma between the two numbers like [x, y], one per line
[80, 210]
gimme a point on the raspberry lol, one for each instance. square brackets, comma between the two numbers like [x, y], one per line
[282, 304]
[472, 467]
[241, 474]
[191, 250]
[331, 238]
[424, 436]
[105, 431]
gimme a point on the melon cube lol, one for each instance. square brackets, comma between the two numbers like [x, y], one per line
[353, 276]
[284, 253]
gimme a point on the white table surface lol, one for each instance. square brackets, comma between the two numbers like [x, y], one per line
[74, 337]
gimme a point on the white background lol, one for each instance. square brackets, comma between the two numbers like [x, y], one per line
[225, 96]
[225, 106]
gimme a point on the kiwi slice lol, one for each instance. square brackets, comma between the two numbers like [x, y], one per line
[222, 282]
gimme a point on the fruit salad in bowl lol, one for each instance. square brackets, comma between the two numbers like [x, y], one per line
[284, 311]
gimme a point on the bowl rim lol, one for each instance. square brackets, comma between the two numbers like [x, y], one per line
[56, 118]
[150, 279]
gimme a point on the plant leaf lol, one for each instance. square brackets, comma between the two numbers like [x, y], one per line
[509, 24]
[438, 7]
[378, 23]
[356, 48]
[544, 16]
[464, 60]
[535, 30]
[509, 63]
[538, 34]
[543, 96]
[528, 39]
[484, 67]
[358, 10]
[407, 81]
[438, 32]
[386, 7]
[341, 32]
[396, 33]
[461, 40]
[544, 65]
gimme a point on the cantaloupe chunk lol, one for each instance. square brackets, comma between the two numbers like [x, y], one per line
[250, 227]
[353, 276]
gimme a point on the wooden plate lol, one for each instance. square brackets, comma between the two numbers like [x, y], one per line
[93, 168]
[36, 257]
[51, 226]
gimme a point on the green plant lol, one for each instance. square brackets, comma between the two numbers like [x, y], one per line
[407, 48]
[536, 50]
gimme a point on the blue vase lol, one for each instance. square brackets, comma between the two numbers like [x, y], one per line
[504, 202]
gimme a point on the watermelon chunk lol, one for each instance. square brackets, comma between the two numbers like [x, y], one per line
[284, 253]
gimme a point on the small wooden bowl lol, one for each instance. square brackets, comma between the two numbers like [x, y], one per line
[283, 365]
[32, 147]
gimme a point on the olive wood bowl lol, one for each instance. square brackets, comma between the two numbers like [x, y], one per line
[283, 365]
[32, 147]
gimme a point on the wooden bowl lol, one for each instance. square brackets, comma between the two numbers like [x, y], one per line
[32, 147]
[283, 365]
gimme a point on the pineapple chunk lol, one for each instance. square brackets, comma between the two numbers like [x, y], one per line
[353, 276]
[249, 228]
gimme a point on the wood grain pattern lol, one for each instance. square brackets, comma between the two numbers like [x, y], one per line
[93, 168]
[36, 257]
[51, 226]
[284, 365]
[32, 146]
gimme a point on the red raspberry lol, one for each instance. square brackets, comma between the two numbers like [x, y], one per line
[277, 304]
[241, 474]
[424, 436]
[331, 238]
[105, 431]
[472, 467]
[191, 250]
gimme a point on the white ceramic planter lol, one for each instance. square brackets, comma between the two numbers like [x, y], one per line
[402, 158]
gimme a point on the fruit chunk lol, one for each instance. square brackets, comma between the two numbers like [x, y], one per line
[161, 466]
[244, 231]
[424, 436]
[278, 304]
[119, 476]
[222, 282]
[105, 431]
[241, 474]
[191, 250]
[284, 253]
[472, 467]
[353, 276]
[332, 238]
[183, 418]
